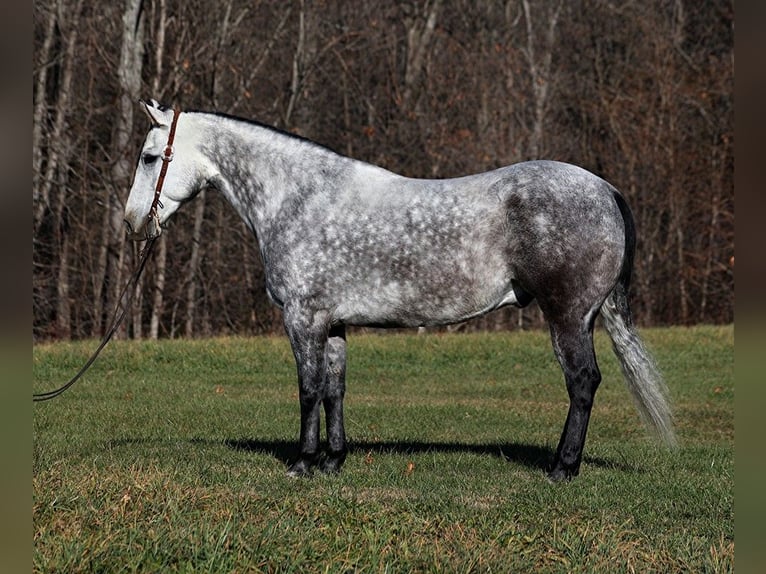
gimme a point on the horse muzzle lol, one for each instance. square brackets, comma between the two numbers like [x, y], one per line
[148, 229]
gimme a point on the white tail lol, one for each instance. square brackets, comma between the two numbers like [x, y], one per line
[641, 374]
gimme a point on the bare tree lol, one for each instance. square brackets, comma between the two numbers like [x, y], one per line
[640, 93]
[112, 263]
[160, 258]
[192, 276]
[539, 58]
[51, 168]
[40, 118]
[420, 26]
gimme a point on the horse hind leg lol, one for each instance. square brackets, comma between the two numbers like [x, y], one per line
[573, 346]
[334, 389]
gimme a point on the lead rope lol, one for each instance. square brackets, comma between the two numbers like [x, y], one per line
[123, 304]
[125, 299]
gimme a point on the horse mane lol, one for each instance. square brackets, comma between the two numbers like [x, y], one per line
[267, 127]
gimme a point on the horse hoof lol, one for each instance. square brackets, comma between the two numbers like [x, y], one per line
[299, 469]
[558, 475]
[330, 465]
[332, 460]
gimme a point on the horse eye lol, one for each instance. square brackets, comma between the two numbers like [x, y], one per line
[149, 159]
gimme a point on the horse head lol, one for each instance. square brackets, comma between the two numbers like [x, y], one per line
[154, 197]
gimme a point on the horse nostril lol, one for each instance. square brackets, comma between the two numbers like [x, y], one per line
[129, 226]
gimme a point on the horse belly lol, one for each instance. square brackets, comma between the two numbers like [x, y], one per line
[452, 294]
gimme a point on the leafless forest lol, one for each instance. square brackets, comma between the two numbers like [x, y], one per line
[641, 93]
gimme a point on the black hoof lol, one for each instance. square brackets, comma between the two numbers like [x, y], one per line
[561, 474]
[332, 463]
[300, 468]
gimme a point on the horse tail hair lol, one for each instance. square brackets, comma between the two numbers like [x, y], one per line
[642, 377]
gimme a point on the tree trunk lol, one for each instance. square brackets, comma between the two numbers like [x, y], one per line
[192, 275]
[63, 303]
[420, 31]
[129, 81]
[540, 70]
[299, 65]
[59, 153]
[57, 148]
[160, 263]
[161, 256]
[39, 120]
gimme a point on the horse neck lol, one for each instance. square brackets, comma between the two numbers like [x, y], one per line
[263, 172]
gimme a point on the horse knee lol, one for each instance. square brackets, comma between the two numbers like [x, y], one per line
[308, 397]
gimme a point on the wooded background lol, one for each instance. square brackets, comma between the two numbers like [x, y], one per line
[640, 93]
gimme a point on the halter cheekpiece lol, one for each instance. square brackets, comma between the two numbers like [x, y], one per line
[167, 157]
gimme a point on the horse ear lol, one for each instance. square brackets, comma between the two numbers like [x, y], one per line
[158, 114]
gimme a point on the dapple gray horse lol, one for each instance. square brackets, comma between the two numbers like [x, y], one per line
[344, 243]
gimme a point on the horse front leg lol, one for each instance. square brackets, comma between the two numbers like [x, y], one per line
[307, 331]
[332, 399]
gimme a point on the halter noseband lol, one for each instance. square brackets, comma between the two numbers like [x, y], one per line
[167, 157]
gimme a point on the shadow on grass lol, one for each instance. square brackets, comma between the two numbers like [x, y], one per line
[531, 456]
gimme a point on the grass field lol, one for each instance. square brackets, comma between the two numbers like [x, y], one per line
[170, 457]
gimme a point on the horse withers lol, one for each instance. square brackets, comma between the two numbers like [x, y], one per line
[344, 243]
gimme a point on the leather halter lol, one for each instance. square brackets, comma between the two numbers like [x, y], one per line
[167, 157]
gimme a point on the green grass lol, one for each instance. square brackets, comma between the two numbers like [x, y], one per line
[170, 457]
